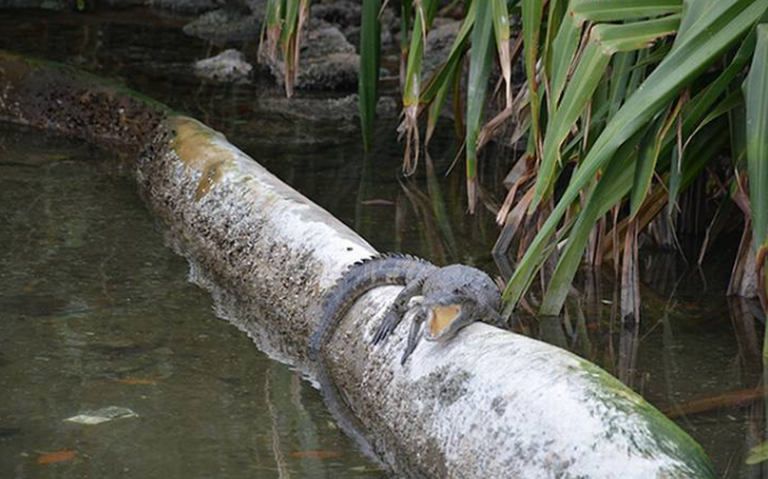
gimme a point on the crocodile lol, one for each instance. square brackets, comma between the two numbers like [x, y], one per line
[446, 298]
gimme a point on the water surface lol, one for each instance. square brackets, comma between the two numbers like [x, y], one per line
[95, 312]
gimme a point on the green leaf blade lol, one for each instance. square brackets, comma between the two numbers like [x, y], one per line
[479, 70]
[370, 60]
[707, 38]
[756, 96]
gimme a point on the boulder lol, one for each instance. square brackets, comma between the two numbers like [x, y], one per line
[227, 66]
[327, 61]
[226, 25]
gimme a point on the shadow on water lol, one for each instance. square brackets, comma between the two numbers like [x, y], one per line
[101, 314]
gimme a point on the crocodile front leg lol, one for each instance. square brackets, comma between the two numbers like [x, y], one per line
[414, 334]
[398, 309]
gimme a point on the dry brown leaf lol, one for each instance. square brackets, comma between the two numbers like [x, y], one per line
[64, 455]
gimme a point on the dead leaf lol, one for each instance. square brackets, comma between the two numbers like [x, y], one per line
[316, 454]
[56, 457]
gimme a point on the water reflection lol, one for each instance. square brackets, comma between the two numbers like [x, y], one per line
[96, 312]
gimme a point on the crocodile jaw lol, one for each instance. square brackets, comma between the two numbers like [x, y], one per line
[440, 319]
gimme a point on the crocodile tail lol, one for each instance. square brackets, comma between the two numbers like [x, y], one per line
[359, 278]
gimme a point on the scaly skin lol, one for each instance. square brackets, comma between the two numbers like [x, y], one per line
[361, 277]
[456, 285]
[469, 289]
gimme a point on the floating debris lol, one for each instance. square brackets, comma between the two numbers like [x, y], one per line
[64, 455]
[102, 415]
[757, 454]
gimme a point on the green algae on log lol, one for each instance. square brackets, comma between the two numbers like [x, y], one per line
[488, 404]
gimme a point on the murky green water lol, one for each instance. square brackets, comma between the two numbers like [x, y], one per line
[95, 311]
[92, 329]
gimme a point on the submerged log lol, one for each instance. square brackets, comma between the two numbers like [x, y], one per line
[488, 404]
[728, 400]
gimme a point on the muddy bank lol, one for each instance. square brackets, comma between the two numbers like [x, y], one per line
[489, 404]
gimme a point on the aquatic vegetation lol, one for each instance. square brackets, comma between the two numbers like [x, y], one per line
[626, 106]
[282, 27]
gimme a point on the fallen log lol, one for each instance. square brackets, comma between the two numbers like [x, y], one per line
[488, 404]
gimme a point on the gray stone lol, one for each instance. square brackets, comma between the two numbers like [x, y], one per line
[327, 61]
[439, 43]
[227, 66]
[225, 25]
[343, 13]
[324, 39]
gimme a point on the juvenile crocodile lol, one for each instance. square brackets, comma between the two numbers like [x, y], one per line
[447, 298]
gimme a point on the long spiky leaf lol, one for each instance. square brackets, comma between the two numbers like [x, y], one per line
[479, 70]
[705, 40]
[604, 41]
[757, 137]
[370, 59]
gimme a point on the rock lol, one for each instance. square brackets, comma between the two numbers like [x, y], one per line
[343, 13]
[332, 72]
[225, 25]
[258, 7]
[227, 66]
[327, 61]
[343, 111]
[346, 15]
[439, 43]
[324, 39]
